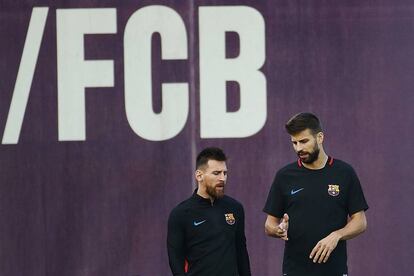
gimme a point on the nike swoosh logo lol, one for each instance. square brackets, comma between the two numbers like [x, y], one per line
[198, 223]
[292, 192]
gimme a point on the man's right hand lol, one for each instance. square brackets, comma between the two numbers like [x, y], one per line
[282, 228]
[277, 227]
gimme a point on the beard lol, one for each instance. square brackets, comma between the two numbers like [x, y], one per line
[312, 156]
[213, 193]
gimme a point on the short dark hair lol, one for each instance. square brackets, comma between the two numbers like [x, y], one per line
[303, 121]
[211, 153]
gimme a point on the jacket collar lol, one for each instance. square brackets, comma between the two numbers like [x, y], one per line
[203, 200]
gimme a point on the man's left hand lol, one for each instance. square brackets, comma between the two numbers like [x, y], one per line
[323, 249]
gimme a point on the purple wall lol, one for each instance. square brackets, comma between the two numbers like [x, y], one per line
[100, 206]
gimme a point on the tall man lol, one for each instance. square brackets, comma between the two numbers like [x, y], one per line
[206, 232]
[315, 205]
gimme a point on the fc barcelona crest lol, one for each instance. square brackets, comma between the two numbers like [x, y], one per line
[230, 218]
[333, 190]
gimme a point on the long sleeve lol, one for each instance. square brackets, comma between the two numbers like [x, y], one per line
[175, 245]
[243, 262]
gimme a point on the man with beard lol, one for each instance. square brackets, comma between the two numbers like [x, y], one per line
[314, 205]
[206, 232]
